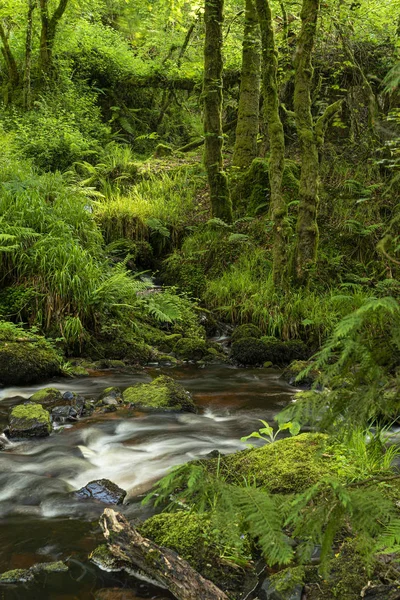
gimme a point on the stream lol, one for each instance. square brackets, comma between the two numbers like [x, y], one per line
[39, 519]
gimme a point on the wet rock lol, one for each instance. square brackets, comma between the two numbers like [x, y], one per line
[78, 371]
[60, 414]
[268, 591]
[190, 349]
[382, 592]
[83, 407]
[283, 353]
[29, 420]
[26, 362]
[102, 490]
[52, 567]
[107, 363]
[47, 397]
[109, 401]
[27, 575]
[111, 392]
[17, 576]
[291, 373]
[163, 393]
[246, 331]
[68, 396]
[249, 352]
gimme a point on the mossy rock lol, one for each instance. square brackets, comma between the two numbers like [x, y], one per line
[17, 576]
[246, 331]
[29, 420]
[283, 353]
[195, 539]
[163, 150]
[249, 351]
[111, 392]
[347, 575]
[78, 372]
[190, 349]
[27, 362]
[163, 393]
[291, 373]
[287, 466]
[47, 397]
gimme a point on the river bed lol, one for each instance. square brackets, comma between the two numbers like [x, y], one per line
[39, 519]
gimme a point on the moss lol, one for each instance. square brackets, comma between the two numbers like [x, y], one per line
[53, 567]
[186, 272]
[190, 348]
[249, 352]
[291, 373]
[47, 396]
[29, 420]
[26, 362]
[250, 193]
[282, 353]
[78, 372]
[287, 580]
[193, 536]
[287, 466]
[16, 576]
[162, 150]
[163, 393]
[246, 331]
[347, 575]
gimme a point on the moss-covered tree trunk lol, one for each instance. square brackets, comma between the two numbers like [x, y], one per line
[307, 227]
[212, 93]
[48, 33]
[278, 207]
[245, 150]
[28, 56]
[11, 64]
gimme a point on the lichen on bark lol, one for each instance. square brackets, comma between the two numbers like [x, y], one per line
[278, 206]
[245, 149]
[221, 205]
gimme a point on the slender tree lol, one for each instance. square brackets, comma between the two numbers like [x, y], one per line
[249, 99]
[212, 93]
[311, 137]
[48, 33]
[278, 209]
[28, 55]
[11, 64]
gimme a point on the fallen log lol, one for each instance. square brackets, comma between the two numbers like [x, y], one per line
[160, 564]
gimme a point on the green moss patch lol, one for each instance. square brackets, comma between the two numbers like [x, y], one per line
[27, 362]
[190, 348]
[163, 393]
[287, 466]
[47, 396]
[29, 420]
[246, 331]
[194, 538]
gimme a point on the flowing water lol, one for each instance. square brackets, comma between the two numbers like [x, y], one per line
[40, 521]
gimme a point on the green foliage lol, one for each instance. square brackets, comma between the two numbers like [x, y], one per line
[267, 433]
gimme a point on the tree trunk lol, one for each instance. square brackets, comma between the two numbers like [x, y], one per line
[160, 564]
[278, 208]
[221, 205]
[28, 56]
[307, 227]
[10, 61]
[245, 150]
[48, 34]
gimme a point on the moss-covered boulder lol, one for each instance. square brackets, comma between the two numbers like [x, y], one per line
[249, 351]
[47, 397]
[190, 349]
[27, 362]
[283, 353]
[29, 420]
[163, 393]
[194, 538]
[287, 466]
[17, 576]
[245, 331]
[292, 372]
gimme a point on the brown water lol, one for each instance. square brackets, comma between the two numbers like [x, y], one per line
[40, 522]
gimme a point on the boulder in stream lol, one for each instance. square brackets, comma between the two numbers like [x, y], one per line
[16, 576]
[24, 362]
[102, 490]
[47, 397]
[163, 393]
[29, 420]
